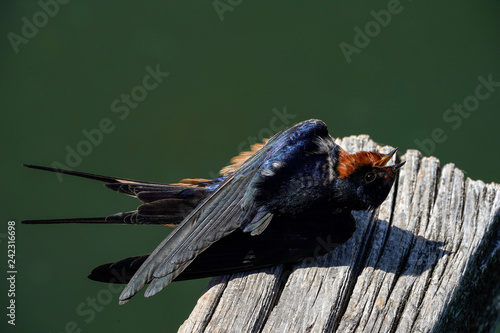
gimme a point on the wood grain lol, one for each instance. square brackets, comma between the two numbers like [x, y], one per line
[427, 261]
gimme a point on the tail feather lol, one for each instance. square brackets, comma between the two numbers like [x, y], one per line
[134, 189]
[119, 218]
[191, 194]
[134, 217]
[118, 272]
[70, 220]
[84, 175]
[163, 204]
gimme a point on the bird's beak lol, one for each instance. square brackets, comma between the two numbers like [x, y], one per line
[383, 161]
[399, 165]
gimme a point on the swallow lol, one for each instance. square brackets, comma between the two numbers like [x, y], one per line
[269, 206]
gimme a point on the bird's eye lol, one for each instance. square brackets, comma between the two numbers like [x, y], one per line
[369, 177]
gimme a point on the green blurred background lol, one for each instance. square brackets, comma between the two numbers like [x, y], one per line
[228, 72]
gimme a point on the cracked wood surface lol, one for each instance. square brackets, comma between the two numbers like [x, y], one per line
[427, 261]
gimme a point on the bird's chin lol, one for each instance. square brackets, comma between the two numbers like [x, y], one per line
[373, 205]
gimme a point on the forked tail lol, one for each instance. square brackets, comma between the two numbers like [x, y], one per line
[162, 204]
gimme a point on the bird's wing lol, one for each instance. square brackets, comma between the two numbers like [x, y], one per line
[286, 240]
[232, 205]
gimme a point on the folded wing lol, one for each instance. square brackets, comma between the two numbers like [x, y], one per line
[232, 205]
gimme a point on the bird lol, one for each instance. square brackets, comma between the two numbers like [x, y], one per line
[269, 206]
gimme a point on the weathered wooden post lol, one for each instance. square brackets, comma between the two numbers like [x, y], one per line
[428, 261]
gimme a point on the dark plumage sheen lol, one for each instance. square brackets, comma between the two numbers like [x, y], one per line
[270, 207]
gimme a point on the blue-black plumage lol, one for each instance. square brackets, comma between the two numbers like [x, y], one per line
[270, 207]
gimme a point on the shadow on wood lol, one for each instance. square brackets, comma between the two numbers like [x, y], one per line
[428, 260]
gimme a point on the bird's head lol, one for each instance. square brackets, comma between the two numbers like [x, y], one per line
[364, 178]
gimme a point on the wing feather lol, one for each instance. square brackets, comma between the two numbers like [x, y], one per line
[231, 206]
